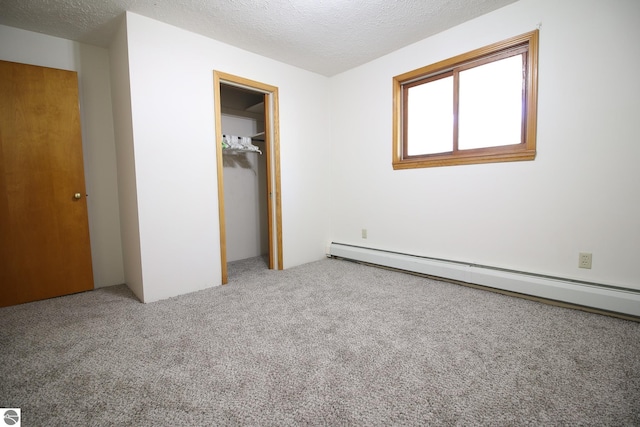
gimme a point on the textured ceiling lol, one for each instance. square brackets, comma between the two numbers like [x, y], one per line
[325, 36]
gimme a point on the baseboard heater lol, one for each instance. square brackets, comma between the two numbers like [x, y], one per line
[598, 296]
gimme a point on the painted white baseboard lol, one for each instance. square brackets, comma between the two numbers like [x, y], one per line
[609, 298]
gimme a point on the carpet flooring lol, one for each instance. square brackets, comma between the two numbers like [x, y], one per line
[329, 343]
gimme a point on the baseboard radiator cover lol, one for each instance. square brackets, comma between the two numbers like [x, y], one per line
[601, 297]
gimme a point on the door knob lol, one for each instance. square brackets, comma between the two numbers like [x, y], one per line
[77, 196]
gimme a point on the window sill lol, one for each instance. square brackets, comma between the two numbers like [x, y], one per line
[462, 159]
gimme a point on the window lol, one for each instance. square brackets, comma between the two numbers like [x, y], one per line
[478, 107]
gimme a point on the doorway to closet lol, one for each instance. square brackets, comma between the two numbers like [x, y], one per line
[248, 160]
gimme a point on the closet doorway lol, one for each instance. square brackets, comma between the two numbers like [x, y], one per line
[249, 201]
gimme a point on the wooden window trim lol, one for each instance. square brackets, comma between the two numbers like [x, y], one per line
[509, 153]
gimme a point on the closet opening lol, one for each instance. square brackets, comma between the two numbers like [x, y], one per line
[248, 161]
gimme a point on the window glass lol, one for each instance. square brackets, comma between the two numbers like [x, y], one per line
[430, 117]
[490, 104]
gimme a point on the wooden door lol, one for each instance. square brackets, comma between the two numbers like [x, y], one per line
[44, 231]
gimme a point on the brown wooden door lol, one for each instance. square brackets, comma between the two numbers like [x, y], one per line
[44, 231]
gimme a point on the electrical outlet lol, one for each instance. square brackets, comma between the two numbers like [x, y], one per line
[584, 260]
[364, 233]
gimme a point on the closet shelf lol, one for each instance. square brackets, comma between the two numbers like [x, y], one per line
[256, 108]
[238, 144]
[239, 150]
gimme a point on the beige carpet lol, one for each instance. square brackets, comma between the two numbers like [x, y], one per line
[327, 343]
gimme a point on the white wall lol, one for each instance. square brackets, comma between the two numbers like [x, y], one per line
[171, 80]
[92, 65]
[127, 185]
[245, 200]
[581, 192]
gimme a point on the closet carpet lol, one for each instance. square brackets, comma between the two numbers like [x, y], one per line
[327, 343]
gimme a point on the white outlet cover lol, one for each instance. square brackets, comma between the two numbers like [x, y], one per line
[584, 260]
